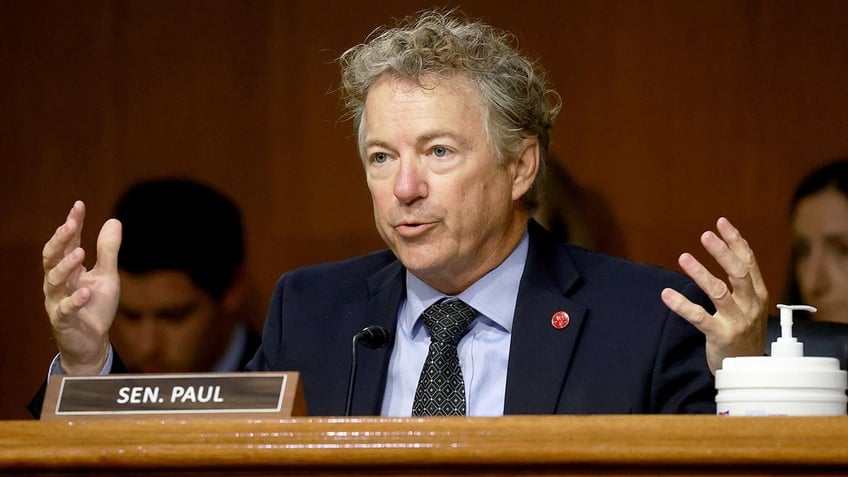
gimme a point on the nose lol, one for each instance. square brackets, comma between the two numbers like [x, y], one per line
[410, 181]
[147, 339]
[813, 279]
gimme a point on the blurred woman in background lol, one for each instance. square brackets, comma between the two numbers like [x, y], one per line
[818, 217]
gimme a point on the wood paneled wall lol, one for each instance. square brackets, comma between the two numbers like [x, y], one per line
[674, 113]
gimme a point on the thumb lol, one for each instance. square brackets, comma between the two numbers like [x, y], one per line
[108, 244]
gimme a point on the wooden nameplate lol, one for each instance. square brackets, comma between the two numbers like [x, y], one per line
[202, 395]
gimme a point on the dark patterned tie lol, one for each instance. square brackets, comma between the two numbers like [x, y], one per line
[441, 390]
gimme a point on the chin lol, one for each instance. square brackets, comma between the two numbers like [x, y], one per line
[421, 257]
[840, 315]
[420, 269]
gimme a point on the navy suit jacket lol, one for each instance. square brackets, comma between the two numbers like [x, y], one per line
[623, 351]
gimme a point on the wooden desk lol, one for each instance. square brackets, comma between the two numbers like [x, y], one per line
[538, 445]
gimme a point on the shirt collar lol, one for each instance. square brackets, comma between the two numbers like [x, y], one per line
[494, 295]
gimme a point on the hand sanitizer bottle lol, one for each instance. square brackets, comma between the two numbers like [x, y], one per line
[783, 384]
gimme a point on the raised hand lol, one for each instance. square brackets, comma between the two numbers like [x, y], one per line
[81, 303]
[738, 327]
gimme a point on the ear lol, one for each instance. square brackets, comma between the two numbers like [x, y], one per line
[524, 167]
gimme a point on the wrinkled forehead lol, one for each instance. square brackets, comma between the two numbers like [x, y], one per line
[462, 87]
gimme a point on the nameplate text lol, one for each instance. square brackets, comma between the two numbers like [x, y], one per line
[173, 394]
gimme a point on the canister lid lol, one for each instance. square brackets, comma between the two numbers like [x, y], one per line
[771, 372]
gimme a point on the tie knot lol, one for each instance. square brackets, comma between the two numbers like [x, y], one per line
[447, 320]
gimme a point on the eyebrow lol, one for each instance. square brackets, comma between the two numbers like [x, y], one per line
[425, 138]
[170, 310]
[422, 139]
[376, 143]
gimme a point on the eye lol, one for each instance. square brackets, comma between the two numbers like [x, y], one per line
[800, 249]
[128, 315]
[837, 246]
[379, 158]
[173, 316]
[440, 151]
[177, 314]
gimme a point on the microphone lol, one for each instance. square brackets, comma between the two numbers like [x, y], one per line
[372, 337]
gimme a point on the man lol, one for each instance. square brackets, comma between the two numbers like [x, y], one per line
[453, 129]
[179, 311]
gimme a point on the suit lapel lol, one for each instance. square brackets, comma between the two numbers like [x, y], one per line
[540, 353]
[386, 290]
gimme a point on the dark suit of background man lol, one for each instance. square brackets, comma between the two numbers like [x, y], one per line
[453, 130]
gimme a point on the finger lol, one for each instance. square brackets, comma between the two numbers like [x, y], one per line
[56, 280]
[738, 273]
[62, 240]
[692, 312]
[716, 290]
[71, 305]
[77, 214]
[108, 245]
[743, 250]
[54, 250]
[725, 256]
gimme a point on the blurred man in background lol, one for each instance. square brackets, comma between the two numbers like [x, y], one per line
[180, 308]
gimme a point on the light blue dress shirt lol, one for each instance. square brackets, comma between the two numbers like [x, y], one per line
[483, 351]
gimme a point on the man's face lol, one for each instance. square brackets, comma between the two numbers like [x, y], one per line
[167, 324]
[441, 202]
[820, 242]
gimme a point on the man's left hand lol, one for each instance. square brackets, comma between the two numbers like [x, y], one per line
[738, 327]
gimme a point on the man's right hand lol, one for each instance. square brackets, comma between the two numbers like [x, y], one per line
[81, 303]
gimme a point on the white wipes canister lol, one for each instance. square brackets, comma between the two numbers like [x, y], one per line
[784, 384]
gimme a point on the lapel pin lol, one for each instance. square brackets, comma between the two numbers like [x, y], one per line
[560, 320]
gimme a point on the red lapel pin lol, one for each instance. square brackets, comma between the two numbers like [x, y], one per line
[560, 320]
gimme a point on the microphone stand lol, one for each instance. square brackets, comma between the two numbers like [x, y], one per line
[373, 337]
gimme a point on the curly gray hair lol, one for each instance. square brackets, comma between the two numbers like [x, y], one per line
[517, 100]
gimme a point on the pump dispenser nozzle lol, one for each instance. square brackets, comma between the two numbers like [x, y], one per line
[786, 345]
